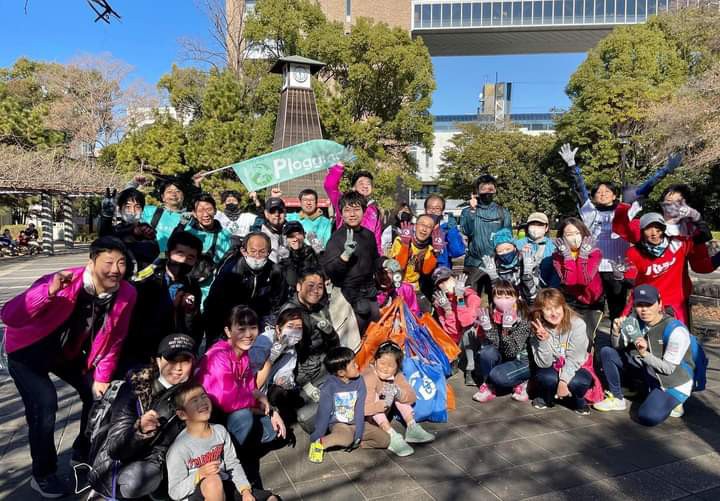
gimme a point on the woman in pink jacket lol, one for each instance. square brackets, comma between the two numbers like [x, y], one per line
[71, 323]
[456, 307]
[362, 182]
[577, 262]
[225, 373]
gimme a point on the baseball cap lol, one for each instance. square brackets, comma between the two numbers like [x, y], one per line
[292, 227]
[645, 294]
[274, 203]
[440, 274]
[538, 217]
[652, 218]
[173, 345]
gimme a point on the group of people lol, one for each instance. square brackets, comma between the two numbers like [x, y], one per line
[197, 338]
[26, 242]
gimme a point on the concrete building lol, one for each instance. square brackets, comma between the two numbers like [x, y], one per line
[485, 27]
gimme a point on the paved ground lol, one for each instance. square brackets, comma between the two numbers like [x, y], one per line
[501, 450]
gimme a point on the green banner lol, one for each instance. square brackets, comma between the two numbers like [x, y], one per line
[288, 163]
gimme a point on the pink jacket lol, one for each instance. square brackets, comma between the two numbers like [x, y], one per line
[33, 315]
[462, 317]
[407, 292]
[371, 217]
[580, 277]
[228, 380]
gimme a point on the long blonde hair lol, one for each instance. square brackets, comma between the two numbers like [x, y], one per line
[553, 298]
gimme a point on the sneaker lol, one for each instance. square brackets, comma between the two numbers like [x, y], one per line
[519, 393]
[539, 403]
[50, 487]
[484, 394]
[678, 411]
[469, 379]
[316, 452]
[610, 403]
[584, 410]
[416, 434]
[398, 445]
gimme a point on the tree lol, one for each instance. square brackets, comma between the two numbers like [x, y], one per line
[630, 69]
[529, 174]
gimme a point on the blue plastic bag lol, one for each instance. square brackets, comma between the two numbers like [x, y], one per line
[425, 344]
[428, 381]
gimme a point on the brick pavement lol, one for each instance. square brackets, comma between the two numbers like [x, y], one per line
[499, 450]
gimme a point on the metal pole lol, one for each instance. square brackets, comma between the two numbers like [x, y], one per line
[69, 229]
[46, 222]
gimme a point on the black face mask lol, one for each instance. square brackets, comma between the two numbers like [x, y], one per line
[232, 209]
[436, 218]
[404, 217]
[486, 198]
[178, 270]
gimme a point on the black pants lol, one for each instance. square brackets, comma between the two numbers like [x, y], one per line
[478, 280]
[616, 292]
[32, 379]
[231, 493]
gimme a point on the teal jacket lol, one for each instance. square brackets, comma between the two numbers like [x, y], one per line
[165, 225]
[320, 225]
[479, 225]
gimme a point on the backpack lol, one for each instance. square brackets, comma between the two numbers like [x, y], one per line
[699, 374]
[99, 419]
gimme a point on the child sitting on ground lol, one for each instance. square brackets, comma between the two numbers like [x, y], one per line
[387, 388]
[342, 409]
[201, 462]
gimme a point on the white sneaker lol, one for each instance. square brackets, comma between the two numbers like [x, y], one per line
[610, 403]
[678, 411]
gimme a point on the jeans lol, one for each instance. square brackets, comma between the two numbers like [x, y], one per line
[139, 479]
[508, 375]
[658, 405]
[487, 358]
[41, 403]
[240, 423]
[548, 379]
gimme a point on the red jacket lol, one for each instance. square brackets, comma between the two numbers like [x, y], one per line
[579, 277]
[462, 317]
[669, 272]
[33, 315]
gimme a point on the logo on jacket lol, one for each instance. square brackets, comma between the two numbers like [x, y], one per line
[423, 385]
[659, 269]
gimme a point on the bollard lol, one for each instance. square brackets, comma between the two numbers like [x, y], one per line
[69, 227]
[46, 222]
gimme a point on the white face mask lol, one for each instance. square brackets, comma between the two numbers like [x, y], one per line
[255, 263]
[130, 217]
[292, 336]
[574, 241]
[536, 232]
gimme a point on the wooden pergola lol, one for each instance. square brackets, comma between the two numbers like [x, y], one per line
[49, 173]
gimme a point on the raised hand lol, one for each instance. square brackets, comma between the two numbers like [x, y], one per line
[618, 269]
[568, 154]
[540, 331]
[315, 242]
[586, 247]
[484, 319]
[528, 260]
[283, 252]
[347, 156]
[350, 246]
[489, 267]
[198, 177]
[508, 319]
[107, 206]
[441, 300]
[473, 201]
[405, 233]
[140, 179]
[275, 192]
[460, 284]
[562, 246]
[60, 281]
[438, 240]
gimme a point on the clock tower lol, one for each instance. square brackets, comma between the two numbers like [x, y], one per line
[298, 120]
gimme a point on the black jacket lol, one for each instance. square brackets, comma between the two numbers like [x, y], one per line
[264, 291]
[356, 278]
[318, 338]
[124, 442]
[157, 314]
[142, 251]
[296, 263]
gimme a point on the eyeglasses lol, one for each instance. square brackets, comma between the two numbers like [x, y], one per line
[257, 252]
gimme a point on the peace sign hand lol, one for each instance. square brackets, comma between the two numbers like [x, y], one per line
[540, 331]
[349, 247]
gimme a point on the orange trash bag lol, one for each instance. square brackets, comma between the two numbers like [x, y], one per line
[389, 327]
[445, 342]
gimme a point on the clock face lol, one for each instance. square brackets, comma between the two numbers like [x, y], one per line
[301, 74]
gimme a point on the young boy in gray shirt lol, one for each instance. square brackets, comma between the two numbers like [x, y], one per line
[201, 463]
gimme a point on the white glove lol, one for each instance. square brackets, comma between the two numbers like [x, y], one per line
[312, 392]
[568, 154]
[441, 300]
[490, 268]
[460, 285]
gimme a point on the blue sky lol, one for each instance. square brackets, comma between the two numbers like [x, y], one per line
[147, 38]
